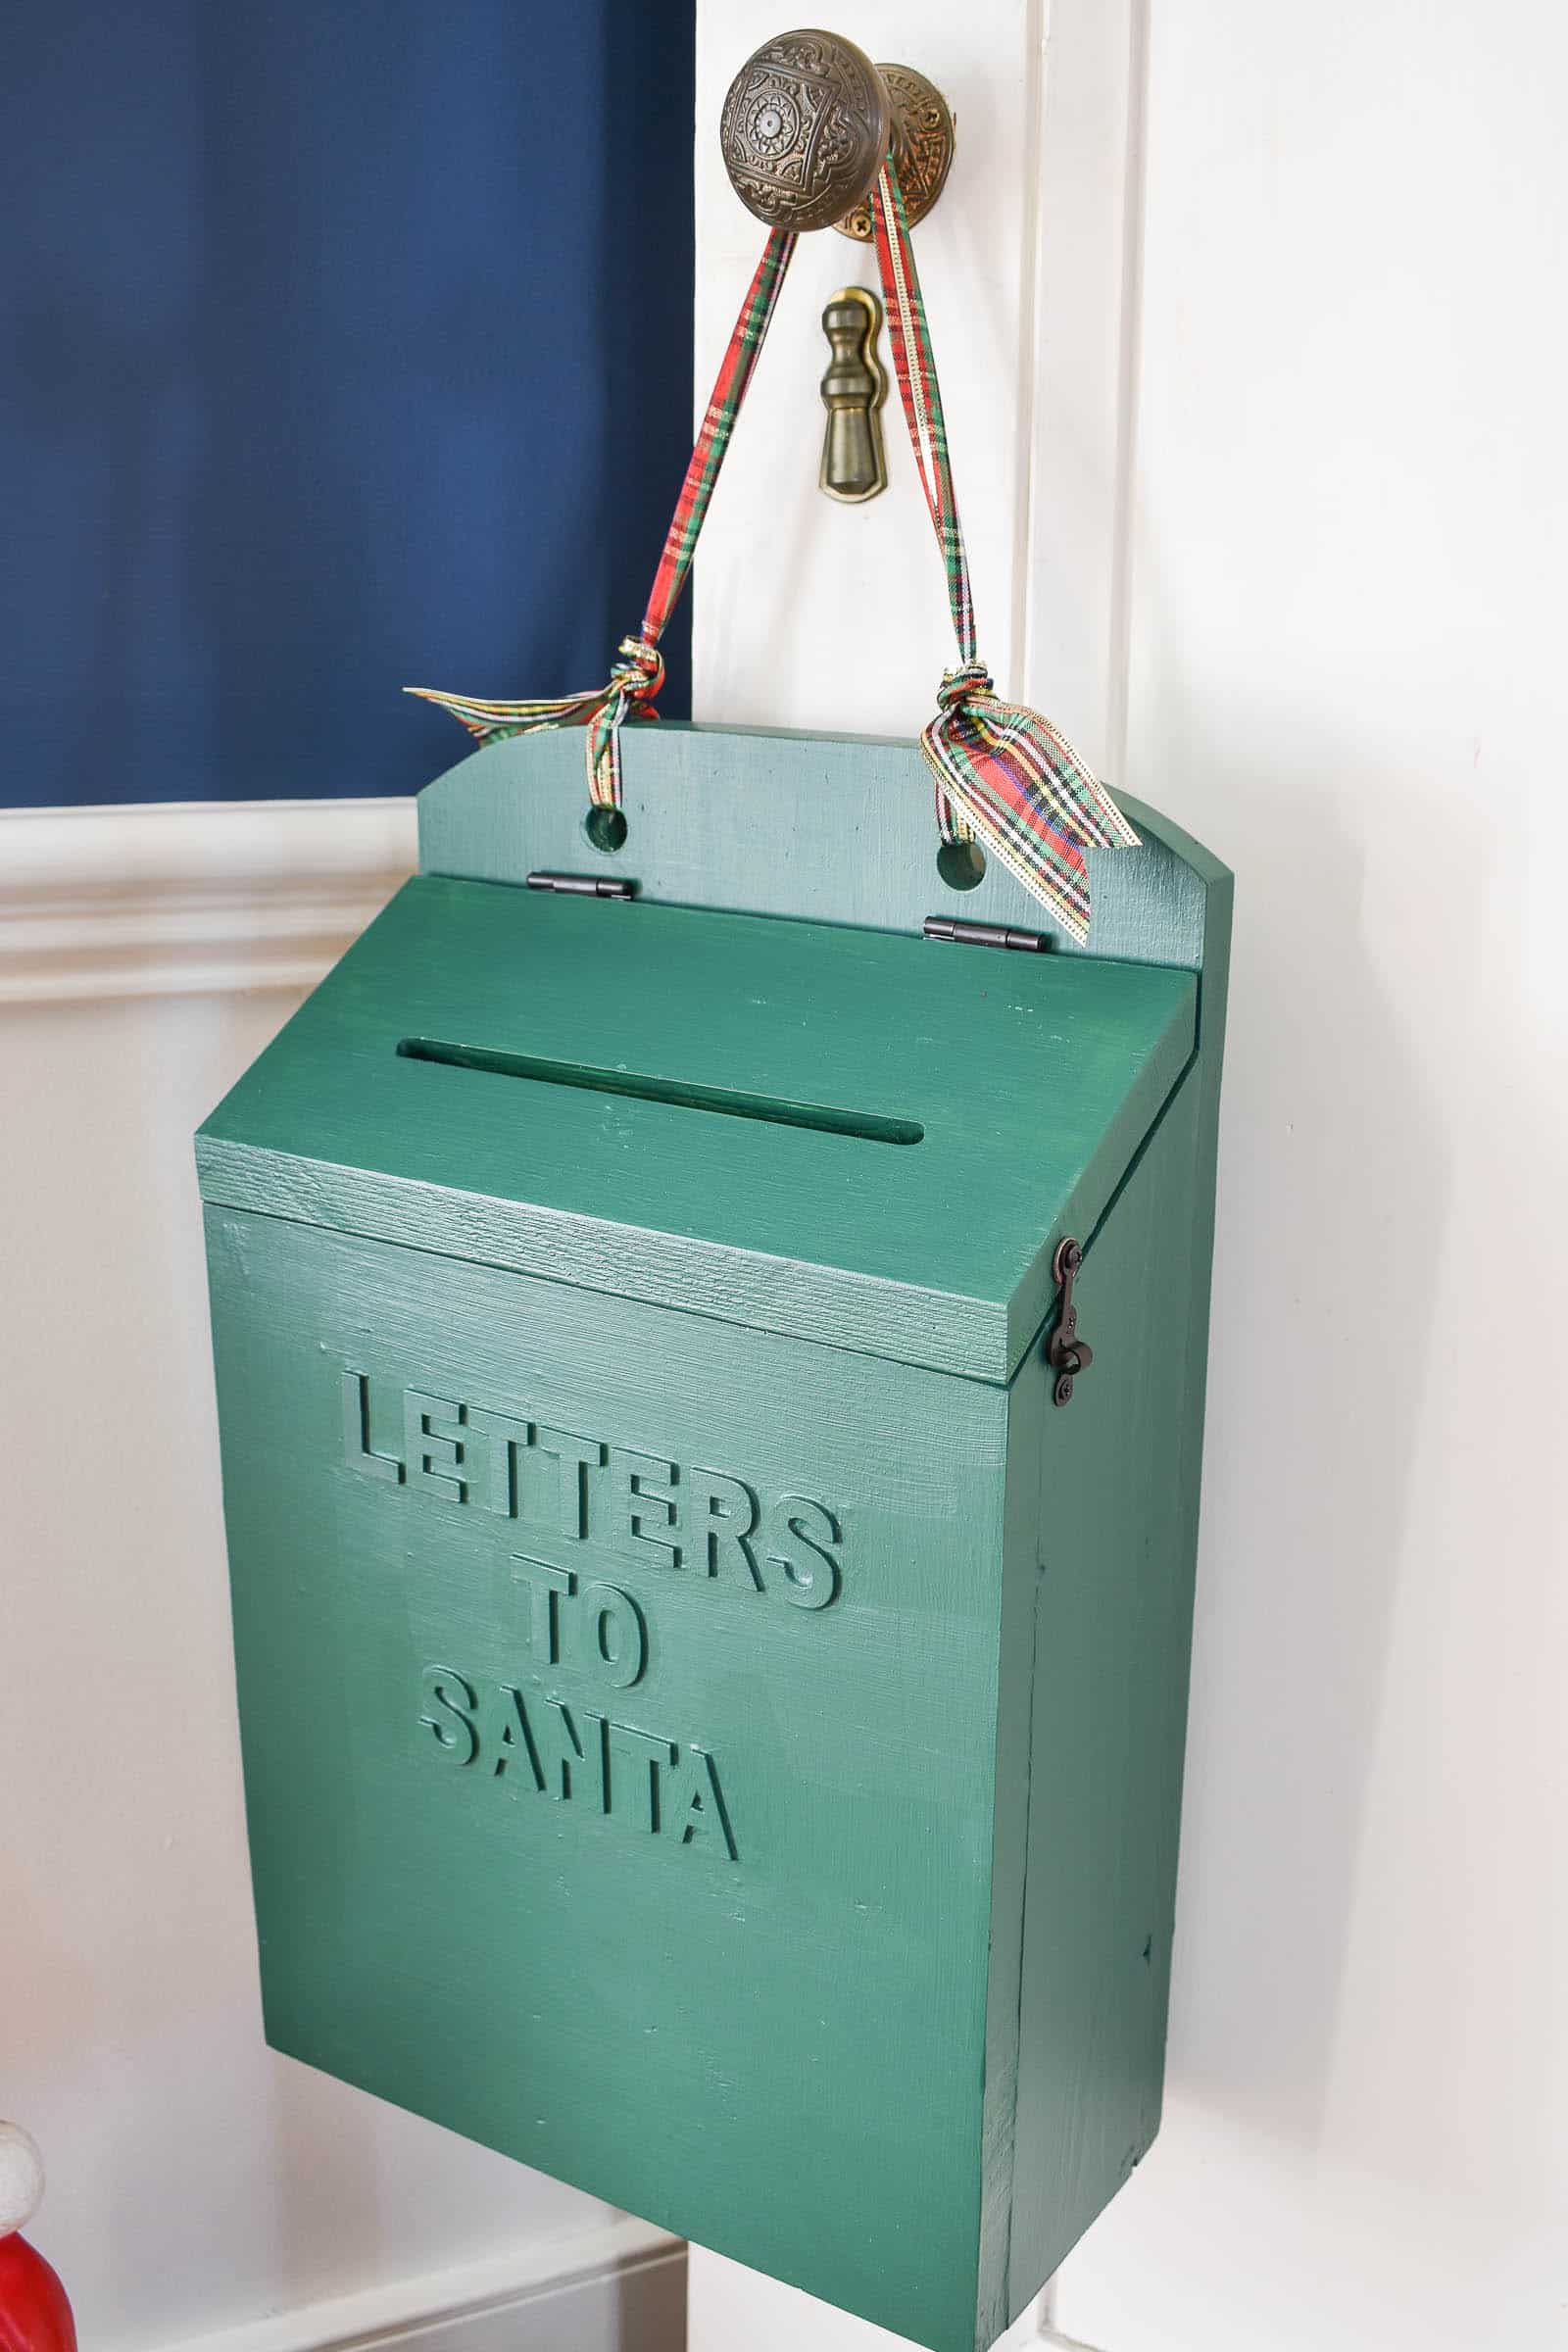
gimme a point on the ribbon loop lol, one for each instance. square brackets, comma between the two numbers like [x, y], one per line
[635, 681]
[1001, 773]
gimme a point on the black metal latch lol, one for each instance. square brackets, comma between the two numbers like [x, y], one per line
[582, 886]
[1065, 1352]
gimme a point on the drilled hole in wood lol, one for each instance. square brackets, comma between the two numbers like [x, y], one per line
[606, 828]
[962, 865]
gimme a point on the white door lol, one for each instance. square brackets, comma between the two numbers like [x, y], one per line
[1248, 323]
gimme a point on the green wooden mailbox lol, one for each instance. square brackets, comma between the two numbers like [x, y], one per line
[713, 1720]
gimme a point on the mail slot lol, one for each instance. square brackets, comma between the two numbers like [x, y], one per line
[711, 1653]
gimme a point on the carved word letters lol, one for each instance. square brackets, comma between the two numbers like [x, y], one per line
[669, 1514]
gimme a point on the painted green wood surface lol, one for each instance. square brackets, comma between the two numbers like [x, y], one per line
[1028, 1079]
[1111, 1566]
[834, 829]
[867, 1986]
[780, 2053]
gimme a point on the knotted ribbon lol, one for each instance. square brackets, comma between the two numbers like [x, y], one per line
[1002, 771]
[634, 683]
[1004, 774]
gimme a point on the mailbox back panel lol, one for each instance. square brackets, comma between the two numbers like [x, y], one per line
[619, 1699]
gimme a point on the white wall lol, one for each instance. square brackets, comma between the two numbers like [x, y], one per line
[197, 2183]
[1287, 368]
[1349, 564]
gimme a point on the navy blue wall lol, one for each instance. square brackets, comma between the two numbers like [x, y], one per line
[344, 345]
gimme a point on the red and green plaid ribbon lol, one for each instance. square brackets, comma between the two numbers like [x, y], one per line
[1002, 771]
[639, 673]
[1004, 774]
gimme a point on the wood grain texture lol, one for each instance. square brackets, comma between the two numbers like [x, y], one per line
[1112, 1574]
[833, 828]
[781, 2055]
[1032, 1080]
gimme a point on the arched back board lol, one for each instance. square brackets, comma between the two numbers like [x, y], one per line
[825, 829]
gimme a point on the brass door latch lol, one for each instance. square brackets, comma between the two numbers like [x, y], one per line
[854, 461]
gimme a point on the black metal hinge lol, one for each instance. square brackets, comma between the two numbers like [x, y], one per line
[1065, 1352]
[983, 935]
[582, 886]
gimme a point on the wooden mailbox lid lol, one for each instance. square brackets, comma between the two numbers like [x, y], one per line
[846, 1135]
[1033, 1078]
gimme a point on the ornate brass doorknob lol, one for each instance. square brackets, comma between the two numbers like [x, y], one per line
[804, 128]
[807, 123]
[922, 149]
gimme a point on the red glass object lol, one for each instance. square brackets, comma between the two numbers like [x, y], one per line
[34, 2309]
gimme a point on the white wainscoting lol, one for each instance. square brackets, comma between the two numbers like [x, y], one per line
[205, 2195]
[189, 898]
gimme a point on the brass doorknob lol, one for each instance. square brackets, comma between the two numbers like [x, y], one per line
[922, 149]
[805, 126]
[808, 121]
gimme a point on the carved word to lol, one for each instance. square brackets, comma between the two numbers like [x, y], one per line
[601, 1628]
[534, 1744]
[665, 1513]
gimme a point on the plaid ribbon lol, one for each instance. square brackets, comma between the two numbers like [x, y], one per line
[638, 676]
[1002, 771]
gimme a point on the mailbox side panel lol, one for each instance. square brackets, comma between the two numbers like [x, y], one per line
[1112, 1568]
[618, 1693]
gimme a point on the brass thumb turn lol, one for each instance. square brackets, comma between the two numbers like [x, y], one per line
[853, 464]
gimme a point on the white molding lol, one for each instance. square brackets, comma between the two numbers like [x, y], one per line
[1085, 148]
[183, 898]
[621, 2284]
